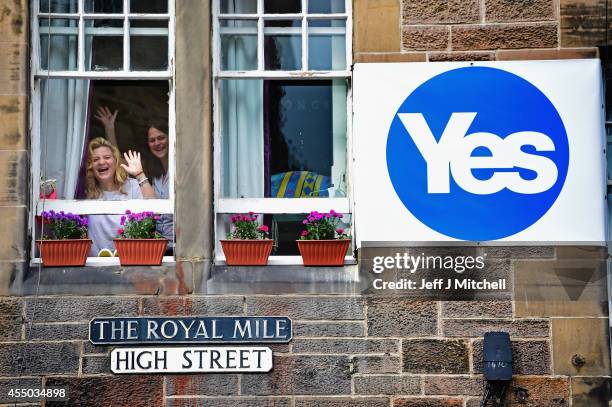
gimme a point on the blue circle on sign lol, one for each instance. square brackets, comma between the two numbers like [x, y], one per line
[503, 104]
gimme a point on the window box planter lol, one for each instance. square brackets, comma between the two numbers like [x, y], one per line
[239, 252]
[65, 252]
[141, 252]
[323, 252]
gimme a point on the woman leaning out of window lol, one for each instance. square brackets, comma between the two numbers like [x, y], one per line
[107, 179]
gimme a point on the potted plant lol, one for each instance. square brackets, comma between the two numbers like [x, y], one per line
[138, 244]
[248, 243]
[323, 243]
[67, 243]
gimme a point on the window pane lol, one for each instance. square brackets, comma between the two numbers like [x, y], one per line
[58, 6]
[327, 45]
[58, 44]
[238, 6]
[104, 6]
[283, 45]
[282, 6]
[104, 45]
[326, 6]
[238, 45]
[283, 139]
[148, 45]
[149, 6]
[68, 120]
[306, 126]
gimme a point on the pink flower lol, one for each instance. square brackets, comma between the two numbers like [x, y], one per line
[305, 222]
[340, 231]
[156, 217]
[304, 233]
[119, 231]
[263, 228]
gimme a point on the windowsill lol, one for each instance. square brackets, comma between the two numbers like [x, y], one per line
[109, 261]
[107, 278]
[284, 261]
[113, 279]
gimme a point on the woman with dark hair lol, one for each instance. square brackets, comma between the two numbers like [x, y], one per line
[156, 166]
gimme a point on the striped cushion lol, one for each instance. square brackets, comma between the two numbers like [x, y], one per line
[299, 184]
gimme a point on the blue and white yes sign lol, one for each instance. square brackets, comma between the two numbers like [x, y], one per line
[488, 152]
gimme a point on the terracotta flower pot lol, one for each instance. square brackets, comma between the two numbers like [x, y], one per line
[323, 252]
[247, 252]
[68, 252]
[141, 252]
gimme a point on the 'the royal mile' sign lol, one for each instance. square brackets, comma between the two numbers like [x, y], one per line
[150, 330]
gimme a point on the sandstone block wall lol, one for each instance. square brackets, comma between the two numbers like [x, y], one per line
[348, 350]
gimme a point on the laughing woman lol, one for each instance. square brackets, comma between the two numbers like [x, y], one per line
[156, 164]
[107, 179]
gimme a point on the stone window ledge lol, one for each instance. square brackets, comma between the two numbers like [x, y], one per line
[182, 277]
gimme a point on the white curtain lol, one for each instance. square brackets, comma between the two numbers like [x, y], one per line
[242, 173]
[63, 114]
[63, 118]
[242, 135]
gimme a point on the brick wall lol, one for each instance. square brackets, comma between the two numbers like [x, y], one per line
[371, 350]
[348, 350]
[478, 30]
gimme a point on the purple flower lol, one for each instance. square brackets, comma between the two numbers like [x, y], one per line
[122, 221]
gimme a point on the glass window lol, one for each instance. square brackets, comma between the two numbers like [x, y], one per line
[281, 94]
[283, 45]
[283, 138]
[105, 45]
[86, 119]
[58, 6]
[327, 45]
[277, 32]
[105, 39]
[104, 6]
[325, 6]
[149, 6]
[148, 45]
[58, 44]
[238, 45]
[238, 6]
[282, 6]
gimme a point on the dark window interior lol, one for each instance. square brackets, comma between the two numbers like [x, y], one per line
[297, 128]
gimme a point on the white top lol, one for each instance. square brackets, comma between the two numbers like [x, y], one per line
[102, 229]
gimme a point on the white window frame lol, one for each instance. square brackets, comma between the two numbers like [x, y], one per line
[279, 205]
[90, 207]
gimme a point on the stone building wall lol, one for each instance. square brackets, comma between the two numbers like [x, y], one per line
[348, 350]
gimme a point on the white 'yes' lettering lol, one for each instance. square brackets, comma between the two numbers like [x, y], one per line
[454, 152]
